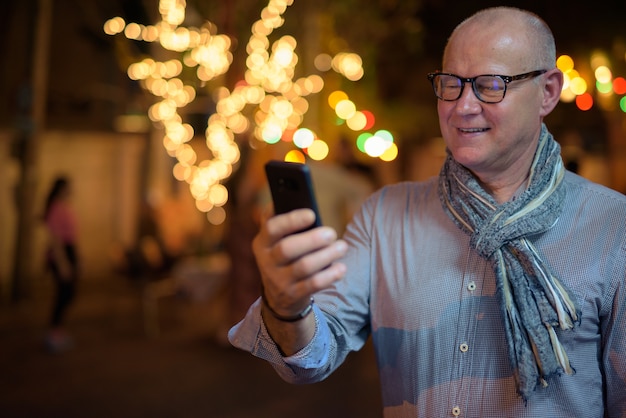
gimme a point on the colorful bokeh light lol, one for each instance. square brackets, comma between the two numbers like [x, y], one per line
[584, 101]
[619, 85]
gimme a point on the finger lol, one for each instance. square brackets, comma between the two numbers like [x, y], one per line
[274, 228]
[295, 246]
[317, 260]
[285, 224]
[320, 280]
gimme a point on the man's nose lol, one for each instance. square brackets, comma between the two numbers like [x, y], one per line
[468, 102]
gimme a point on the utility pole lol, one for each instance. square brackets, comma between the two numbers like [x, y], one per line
[27, 187]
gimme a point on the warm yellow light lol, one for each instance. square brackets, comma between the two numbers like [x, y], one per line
[318, 150]
[300, 105]
[133, 31]
[357, 122]
[578, 85]
[390, 153]
[323, 62]
[204, 205]
[335, 97]
[350, 65]
[295, 156]
[565, 63]
[150, 33]
[345, 109]
[603, 74]
[282, 108]
[179, 171]
[172, 11]
[316, 83]
[114, 26]
[566, 82]
[568, 96]
[218, 194]
[268, 83]
[186, 155]
[271, 133]
[216, 215]
[283, 55]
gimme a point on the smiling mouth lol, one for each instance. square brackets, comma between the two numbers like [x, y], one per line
[472, 130]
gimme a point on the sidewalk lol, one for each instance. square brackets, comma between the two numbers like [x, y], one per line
[115, 370]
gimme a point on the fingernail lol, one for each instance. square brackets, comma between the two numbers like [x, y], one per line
[342, 246]
[328, 234]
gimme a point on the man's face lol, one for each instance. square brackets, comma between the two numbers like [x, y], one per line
[491, 139]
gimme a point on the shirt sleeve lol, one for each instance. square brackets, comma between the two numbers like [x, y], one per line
[252, 336]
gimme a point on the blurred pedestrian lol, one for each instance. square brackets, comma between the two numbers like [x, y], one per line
[61, 260]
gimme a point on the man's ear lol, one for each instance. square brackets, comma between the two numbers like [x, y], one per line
[552, 86]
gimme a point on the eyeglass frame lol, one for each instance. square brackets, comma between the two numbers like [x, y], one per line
[472, 80]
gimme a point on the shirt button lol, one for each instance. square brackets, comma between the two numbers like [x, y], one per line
[464, 347]
[456, 411]
[471, 286]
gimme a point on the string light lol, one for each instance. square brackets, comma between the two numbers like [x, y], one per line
[279, 101]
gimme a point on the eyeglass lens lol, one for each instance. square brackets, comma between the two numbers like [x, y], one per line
[487, 88]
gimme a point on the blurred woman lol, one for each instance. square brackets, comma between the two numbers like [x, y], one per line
[62, 259]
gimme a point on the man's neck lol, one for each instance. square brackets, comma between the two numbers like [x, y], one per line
[503, 191]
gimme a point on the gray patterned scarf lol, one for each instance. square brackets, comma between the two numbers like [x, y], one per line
[532, 299]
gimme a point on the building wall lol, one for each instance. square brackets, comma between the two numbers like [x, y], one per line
[105, 171]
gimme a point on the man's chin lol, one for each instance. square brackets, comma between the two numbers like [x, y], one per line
[469, 157]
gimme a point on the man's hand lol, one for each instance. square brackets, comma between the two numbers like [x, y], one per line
[294, 265]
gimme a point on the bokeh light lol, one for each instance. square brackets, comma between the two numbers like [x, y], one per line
[603, 74]
[349, 65]
[335, 97]
[323, 62]
[216, 215]
[318, 150]
[345, 109]
[361, 139]
[295, 156]
[578, 85]
[604, 86]
[268, 84]
[371, 120]
[565, 63]
[584, 101]
[303, 138]
[619, 85]
[384, 134]
[375, 146]
[390, 153]
[357, 122]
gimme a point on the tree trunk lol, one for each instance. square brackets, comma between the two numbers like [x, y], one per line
[27, 187]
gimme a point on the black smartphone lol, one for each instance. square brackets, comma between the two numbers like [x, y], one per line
[291, 187]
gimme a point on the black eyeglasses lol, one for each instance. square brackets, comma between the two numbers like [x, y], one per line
[489, 88]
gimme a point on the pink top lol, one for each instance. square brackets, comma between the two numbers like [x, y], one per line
[61, 222]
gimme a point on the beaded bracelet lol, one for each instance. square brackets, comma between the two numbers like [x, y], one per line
[306, 311]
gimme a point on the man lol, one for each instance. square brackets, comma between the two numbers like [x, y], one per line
[495, 290]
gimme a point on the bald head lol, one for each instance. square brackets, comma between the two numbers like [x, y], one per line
[510, 27]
